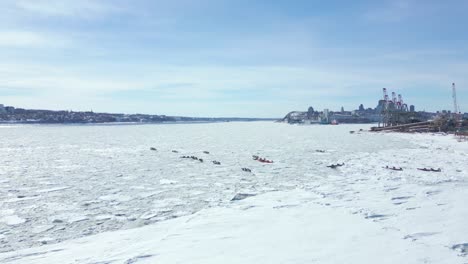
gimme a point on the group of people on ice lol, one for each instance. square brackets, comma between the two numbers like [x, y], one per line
[255, 157]
[421, 169]
[263, 160]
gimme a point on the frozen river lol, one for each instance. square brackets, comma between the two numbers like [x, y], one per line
[67, 181]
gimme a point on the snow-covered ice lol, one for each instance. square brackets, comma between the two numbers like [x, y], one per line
[278, 227]
[12, 220]
[96, 194]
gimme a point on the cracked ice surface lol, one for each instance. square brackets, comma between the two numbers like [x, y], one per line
[64, 182]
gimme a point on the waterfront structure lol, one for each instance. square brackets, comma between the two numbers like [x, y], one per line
[395, 112]
[388, 112]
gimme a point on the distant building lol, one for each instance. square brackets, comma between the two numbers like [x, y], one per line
[342, 110]
[310, 112]
[326, 115]
[361, 107]
[9, 109]
[412, 108]
[2, 109]
[380, 107]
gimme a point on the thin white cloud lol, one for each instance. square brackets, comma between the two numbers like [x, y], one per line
[21, 39]
[30, 39]
[74, 8]
[205, 83]
[391, 11]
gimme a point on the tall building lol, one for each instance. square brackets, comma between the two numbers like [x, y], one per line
[310, 112]
[2, 109]
[412, 108]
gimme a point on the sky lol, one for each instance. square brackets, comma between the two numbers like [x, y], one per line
[231, 58]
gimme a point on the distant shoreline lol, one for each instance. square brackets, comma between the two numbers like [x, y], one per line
[134, 123]
[12, 115]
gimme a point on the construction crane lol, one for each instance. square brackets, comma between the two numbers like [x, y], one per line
[386, 99]
[385, 94]
[394, 99]
[400, 102]
[454, 96]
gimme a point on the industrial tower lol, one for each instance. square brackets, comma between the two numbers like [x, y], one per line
[456, 109]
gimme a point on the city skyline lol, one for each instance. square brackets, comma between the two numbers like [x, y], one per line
[232, 58]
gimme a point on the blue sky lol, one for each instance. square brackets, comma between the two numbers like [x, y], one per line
[231, 58]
